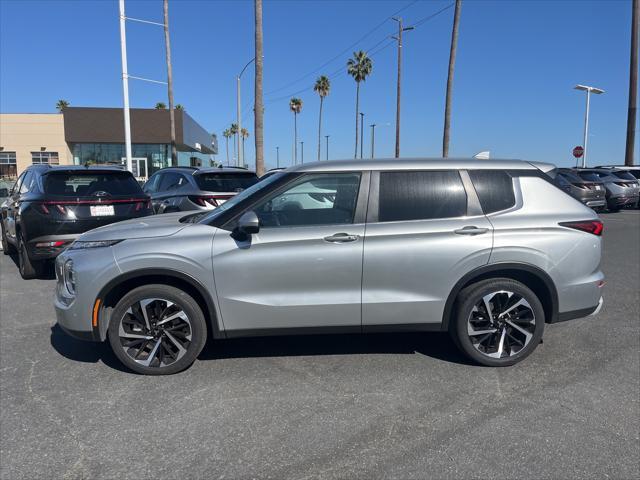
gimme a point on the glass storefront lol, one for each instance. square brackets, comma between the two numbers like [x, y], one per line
[157, 154]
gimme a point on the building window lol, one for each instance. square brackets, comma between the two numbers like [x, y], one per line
[8, 167]
[46, 158]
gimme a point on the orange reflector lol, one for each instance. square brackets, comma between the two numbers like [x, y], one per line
[96, 308]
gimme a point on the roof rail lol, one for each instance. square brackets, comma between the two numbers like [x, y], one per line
[232, 166]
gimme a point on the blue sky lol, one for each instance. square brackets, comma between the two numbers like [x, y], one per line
[517, 64]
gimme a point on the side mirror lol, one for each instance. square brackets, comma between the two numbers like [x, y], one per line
[248, 224]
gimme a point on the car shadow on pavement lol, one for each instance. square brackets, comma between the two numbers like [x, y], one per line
[433, 344]
[48, 270]
[81, 351]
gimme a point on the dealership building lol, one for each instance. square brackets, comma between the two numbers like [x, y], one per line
[82, 135]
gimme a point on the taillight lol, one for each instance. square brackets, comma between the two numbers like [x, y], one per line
[204, 201]
[44, 208]
[581, 186]
[624, 184]
[594, 227]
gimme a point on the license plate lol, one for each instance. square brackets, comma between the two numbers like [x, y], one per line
[598, 187]
[102, 210]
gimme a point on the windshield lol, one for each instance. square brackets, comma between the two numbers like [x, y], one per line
[225, 182]
[80, 184]
[256, 187]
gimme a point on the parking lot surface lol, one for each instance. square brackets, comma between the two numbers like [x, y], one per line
[404, 406]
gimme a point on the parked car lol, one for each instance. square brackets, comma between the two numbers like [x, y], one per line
[632, 169]
[589, 189]
[49, 207]
[487, 250]
[273, 171]
[5, 188]
[176, 189]
[622, 188]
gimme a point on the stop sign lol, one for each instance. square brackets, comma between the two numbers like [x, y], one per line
[578, 151]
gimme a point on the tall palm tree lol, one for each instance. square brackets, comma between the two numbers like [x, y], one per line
[161, 106]
[227, 135]
[244, 134]
[234, 131]
[258, 108]
[359, 67]
[295, 105]
[61, 105]
[452, 63]
[322, 88]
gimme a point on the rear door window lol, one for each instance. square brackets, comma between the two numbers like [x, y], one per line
[172, 181]
[591, 176]
[624, 176]
[421, 195]
[80, 184]
[494, 189]
[225, 182]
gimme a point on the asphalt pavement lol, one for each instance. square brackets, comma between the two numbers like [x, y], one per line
[404, 406]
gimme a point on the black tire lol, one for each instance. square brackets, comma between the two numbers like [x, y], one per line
[121, 346]
[472, 296]
[7, 248]
[28, 268]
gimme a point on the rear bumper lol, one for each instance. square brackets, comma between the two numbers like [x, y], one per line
[583, 312]
[49, 246]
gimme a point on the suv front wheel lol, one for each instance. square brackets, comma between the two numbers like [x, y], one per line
[497, 322]
[157, 330]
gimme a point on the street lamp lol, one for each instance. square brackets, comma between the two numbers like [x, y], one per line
[302, 152]
[277, 157]
[361, 132]
[589, 91]
[373, 137]
[240, 160]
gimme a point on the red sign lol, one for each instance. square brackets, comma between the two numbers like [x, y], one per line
[578, 151]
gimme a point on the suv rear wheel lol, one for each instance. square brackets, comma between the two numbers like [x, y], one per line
[498, 322]
[28, 268]
[157, 330]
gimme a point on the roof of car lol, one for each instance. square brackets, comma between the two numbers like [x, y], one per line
[78, 168]
[419, 163]
[199, 170]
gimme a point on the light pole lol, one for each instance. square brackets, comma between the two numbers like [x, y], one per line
[361, 131]
[240, 159]
[301, 152]
[589, 91]
[327, 138]
[399, 39]
[373, 137]
[277, 157]
[125, 87]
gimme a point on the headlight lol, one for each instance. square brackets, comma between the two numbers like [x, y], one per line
[77, 245]
[69, 277]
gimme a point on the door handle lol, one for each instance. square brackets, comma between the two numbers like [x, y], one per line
[471, 230]
[341, 238]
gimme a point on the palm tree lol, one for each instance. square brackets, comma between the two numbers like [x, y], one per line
[359, 67]
[322, 88]
[452, 63]
[227, 135]
[244, 134]
[234, 131]
[61, 105]
[179, 106]
[161, 106]
[295, 105]
[258, 108]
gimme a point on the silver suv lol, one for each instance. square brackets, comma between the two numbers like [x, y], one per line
[487, 250]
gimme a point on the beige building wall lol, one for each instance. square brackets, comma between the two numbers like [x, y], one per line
[24, 133]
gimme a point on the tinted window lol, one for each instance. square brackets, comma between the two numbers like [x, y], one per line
[75, 184]
[225, 182]
[171, 181]
[590, 176]
[323, 199]
[152, 184]
[421, 195]
[494, 188]
[25, 186]
[635, 173]
[624, 175]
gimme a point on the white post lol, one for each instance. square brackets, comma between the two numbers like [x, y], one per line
[125, 88]
[586, 130]
[239, 140]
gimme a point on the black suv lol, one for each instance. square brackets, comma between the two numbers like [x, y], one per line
[176, 189]
[48, 207]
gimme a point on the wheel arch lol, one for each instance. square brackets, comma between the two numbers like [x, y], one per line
[533, 277]
[115, 289]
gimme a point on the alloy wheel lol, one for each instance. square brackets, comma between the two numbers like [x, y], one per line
[155, 332]
[501, 324]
